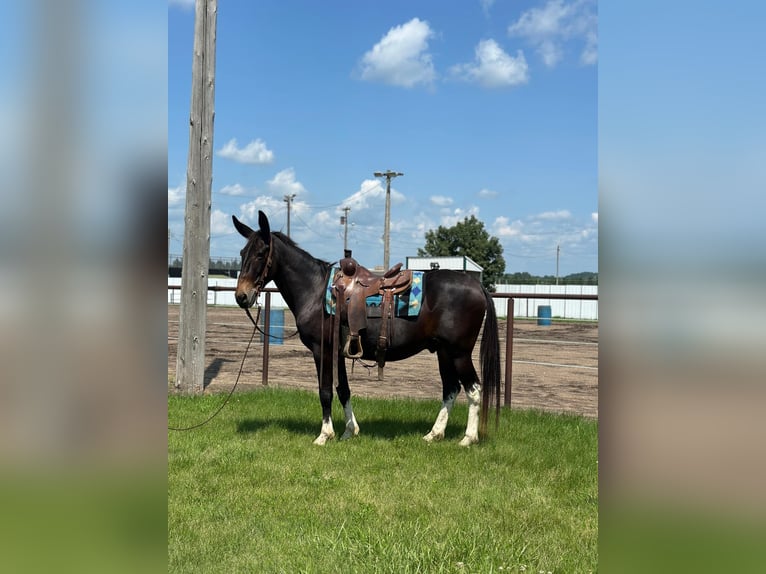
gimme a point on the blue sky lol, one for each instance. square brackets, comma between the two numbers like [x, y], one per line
[488, 108]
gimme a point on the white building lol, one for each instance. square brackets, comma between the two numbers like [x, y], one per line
[456, 263]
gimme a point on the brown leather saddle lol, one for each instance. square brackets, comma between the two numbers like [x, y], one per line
[351, 286]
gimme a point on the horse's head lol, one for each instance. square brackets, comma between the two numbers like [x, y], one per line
[256, 260]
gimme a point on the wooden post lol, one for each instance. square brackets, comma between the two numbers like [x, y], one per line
[266, 341]
[509, 353]
[190, 365]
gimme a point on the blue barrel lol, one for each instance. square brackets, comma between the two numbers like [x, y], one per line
[276, 326]
[543, 314]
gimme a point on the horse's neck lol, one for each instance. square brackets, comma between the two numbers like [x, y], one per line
[299, 277]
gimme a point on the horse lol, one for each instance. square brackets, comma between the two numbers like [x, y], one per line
[454, 305]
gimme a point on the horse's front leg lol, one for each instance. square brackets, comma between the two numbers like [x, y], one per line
[344, 396]
[324, 374]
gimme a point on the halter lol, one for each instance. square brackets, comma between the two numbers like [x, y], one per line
[260, 282]
[259, 285]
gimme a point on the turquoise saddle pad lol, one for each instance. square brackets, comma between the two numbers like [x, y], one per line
[408, 303]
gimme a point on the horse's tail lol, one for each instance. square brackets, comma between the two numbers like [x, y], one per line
[489, 353]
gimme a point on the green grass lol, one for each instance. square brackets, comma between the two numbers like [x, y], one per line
[249, 492]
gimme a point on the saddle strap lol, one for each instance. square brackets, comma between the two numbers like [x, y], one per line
[339, 303]
[386, 318]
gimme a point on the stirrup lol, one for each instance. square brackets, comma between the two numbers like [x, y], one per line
[347, 348]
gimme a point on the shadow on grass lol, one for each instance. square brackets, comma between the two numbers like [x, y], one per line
[212, 370]
[291, 424]
[375, 428]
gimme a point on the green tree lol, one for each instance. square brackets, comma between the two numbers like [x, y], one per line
[524, 278]
[468, 237]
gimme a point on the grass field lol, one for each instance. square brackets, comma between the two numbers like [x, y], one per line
[249, 492]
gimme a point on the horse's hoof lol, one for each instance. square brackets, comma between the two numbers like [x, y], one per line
[350, 433]
[469, 440]
[433, 437]
[323, 438]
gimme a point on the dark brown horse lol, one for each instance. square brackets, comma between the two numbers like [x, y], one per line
[453, 308]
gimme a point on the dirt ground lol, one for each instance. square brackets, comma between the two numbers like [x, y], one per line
[554, 367]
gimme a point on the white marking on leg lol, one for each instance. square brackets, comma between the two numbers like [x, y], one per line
[327, 432]
[437, 431]
[472, 428]
[352, 429]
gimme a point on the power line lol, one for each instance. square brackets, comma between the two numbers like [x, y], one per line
[307, 226]
[306, 206]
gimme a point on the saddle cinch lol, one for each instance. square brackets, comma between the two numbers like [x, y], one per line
[352, 285]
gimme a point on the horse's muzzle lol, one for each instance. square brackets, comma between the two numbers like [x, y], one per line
[243, 300]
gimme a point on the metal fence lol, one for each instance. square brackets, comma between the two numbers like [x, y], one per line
[270, 298]
[578, 302]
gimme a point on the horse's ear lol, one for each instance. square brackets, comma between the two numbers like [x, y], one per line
[263, 223]
[243, 229]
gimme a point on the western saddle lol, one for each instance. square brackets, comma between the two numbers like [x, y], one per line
[352, 285]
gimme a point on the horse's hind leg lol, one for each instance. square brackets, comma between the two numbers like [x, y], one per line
[451, 388]
[344, 396]
[474, 404]
[470, 380]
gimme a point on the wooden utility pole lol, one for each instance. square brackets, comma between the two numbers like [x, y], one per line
[190, 366]
[387, 227]
[288, 199]
[344, 222]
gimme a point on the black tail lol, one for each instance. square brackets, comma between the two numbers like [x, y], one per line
[489, 353]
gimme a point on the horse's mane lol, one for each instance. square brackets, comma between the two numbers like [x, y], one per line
[290, 243]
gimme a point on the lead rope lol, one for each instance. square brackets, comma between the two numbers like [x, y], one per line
[231, 392]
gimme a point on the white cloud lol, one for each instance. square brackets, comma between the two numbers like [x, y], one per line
[487, 193]
[255, 152]
[503, 228]
[594, 217]
[370, 196]
[188, 4]
[542, 22]
[441, 200]
[589, 54]
[552, 215]
[401, 58]
[492, 67]
[265, 203]
[361, 199]
[176, 195]
[548, 29]
[486, 5]
[550, 52]
[285, 183]
[220, 223]
[235, 189]
[325, 218]
[458, 215]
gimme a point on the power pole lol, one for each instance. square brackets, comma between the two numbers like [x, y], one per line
[288, 199]
[558, 250]
[344, 221]
[190, 365]
[387, 228]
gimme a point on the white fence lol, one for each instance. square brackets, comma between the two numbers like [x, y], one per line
[565, 308]
[223, 297]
